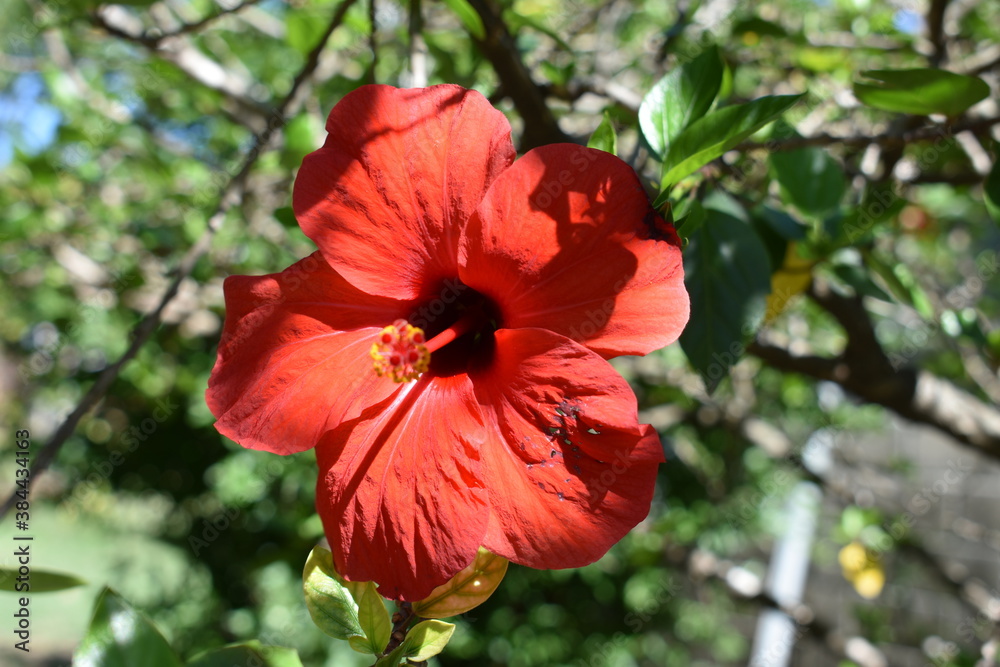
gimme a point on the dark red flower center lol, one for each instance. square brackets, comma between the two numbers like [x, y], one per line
[455, 335]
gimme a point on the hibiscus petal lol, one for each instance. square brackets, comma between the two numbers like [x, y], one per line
[570, 468]
[294, 357]
[566, 240]
[401, 490]
[401, 171]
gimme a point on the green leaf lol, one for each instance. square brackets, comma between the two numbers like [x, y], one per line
[426, 639]
[604, 138]
[121, 636]
[392, 660]
[469, 17]
[991, 192]
[691, 221]
[679, 98]
[374, 620]
[41, 581]
[467, 589]
[709, 137]
[810, 179]
[727, 273]
[330, 599]
[247, 653]
[921, 91]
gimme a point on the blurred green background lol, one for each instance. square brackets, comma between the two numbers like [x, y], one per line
[122, 126]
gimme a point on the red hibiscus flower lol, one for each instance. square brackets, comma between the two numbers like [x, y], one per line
[446, 348]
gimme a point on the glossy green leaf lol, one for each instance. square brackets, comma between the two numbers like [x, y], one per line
[468, 16]
[709, 137]
[810, 179]
[41, 581]
[121, 636]
[426, 639]
[330, 599]
[921, 91]
[374, 620]
[679, 98]
[991, 192]
[466, 590]
[727, 273]
[604, 137]
[247, 653]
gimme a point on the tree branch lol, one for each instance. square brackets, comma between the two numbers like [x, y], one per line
[889, 140]
[540, 126]
[231, 194]
[864, 370]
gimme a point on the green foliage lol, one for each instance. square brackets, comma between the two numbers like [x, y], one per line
[121, 636]
[247, 653]
[723, 273]
[333, 602]
[208, 539]
[921, 91]
[604, 137]
[683, 96]
[710, 136]
[41, 581]
[810, 179]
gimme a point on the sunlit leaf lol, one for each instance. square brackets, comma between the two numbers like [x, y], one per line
[426, 639]
[374, 620]
[710, 136]
[247, 653]
[121, 636]
[467, 15]
[330, 599]
[679, 98]
[466, 590]
[604, 137]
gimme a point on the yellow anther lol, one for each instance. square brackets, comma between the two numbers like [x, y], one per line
[400, 353]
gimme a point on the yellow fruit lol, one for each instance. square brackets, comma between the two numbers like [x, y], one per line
[853, 559]
[790, 280]
[869, 582]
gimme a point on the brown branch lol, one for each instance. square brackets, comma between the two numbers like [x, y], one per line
[936, 33]
[231, 194]
[895, 140]
[540, 126]
[864, 370]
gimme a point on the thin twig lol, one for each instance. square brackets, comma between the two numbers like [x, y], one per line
[976, 126]
[232, 194]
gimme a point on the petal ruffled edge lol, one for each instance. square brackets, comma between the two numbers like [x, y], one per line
[570, 469]
[293, 361]
[386, 197]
